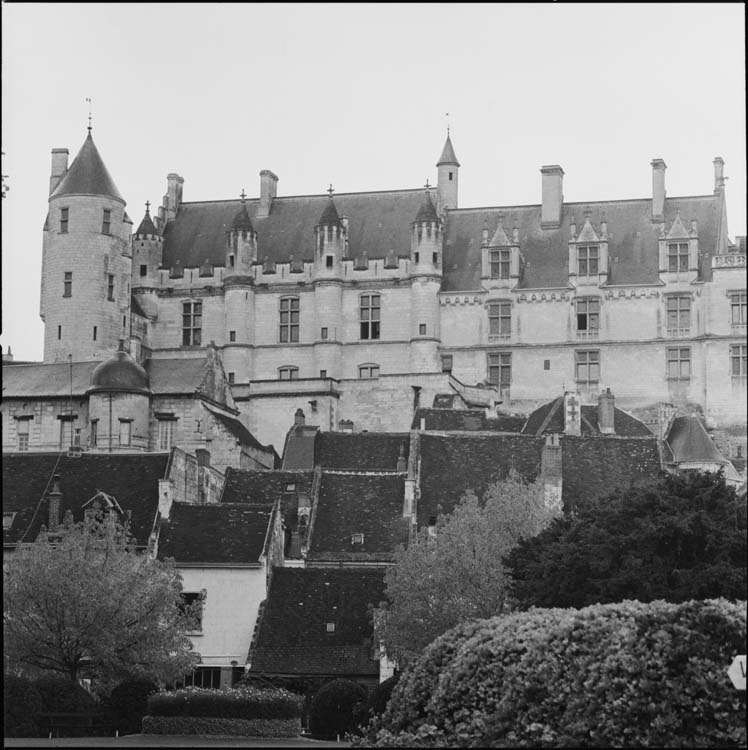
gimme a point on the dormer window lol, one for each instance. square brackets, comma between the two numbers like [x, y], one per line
[587, 260]
[500, 264]
[8, 520]
[677, 257]
[357, 538]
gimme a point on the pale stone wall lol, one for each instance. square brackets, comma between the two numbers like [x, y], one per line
[109, 409]
[44, 428]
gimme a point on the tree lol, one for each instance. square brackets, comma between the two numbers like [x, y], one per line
[84, 600]
[456, 575]
[680, 538]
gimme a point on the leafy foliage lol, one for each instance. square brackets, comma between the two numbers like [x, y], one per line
[127, 705]
[84, 600]
[381, 694]
[681, 538]
[216, 725]
[630, 674]
[21, 702]
[336, 708]
[60, 695]
[459, 575]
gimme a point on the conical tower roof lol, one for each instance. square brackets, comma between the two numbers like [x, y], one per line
[448, 154]
[329, 215]
[88, 175]
[427, 211]
[242, 222]
[147, 226]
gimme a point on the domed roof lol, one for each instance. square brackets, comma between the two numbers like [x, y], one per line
[120, 373]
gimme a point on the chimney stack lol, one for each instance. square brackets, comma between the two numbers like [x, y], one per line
[402, 465]
[299, 419]
[572, 413]
[658, 190]
[551, 471]
[55, 504]
[719, 173]
[606, 412]
[165, 497]
[553, 197]
[346, 425]
[665, 415]
[59, 167]
[173, 197]
[268, 191]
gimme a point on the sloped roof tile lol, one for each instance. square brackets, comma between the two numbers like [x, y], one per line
[549, 418]
[689, 441]
[362, 451]
[87, 175]
[444, 420]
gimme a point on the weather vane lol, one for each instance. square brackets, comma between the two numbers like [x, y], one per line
[89, 113]
[447, 116]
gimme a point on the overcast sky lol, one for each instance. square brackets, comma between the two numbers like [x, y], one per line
[356, 95]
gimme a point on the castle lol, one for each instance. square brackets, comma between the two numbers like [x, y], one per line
[362, 307]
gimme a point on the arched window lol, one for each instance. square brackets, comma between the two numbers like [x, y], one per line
[368, 370]
[289, 320]
[288, 372]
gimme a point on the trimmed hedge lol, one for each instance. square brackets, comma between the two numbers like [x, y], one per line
[622, 675]
[214, 725]
[21, 702]
[237, 703]
[127, 705]
[338, 708]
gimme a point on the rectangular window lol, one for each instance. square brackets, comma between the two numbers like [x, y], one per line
[204, 677]
[587, 366]
[125, 432]
[143, 269]
[678, 315]
[370, 316]
[232, 335]
[22, 431]
[330, 627]
[323, 333]
[165, 434]
[500, 369]
[446, 363]
[231, 378]
[738, 360]
[368, 371]
[289, 320]
[67, 284]
[328, 261]
[94, 434]
[8, 520]
[737, 308]
[500, 320]
[192, 323]
[189, 600]
[67, 430]
[288, 373]
[110, 287]
[323, 373]
[588, 318]
[679, 363]
[106, 224]
[677, 257]
[59, 332]
[587, 260]
[64, 220]
[95, 330]
[422, 329]
[500, 260]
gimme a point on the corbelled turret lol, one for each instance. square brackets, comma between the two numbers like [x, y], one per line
[331, 235]
[241, 243]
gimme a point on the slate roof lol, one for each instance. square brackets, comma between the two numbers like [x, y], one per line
[549, 418]
[632, 249]
[444, 420]
[362, 451]
[242, 220]
[298, 449]
[147, 226]
[427, 212]
[220, 533]
[292, 637]
[238, 430]
[378, 223]
[448, 154]
[367, 504]
[52, 380]
[132, 479]
[176, 376]
[689, 441]
[329, 215]
[87, 175]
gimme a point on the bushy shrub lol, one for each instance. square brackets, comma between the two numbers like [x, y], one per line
[214, 725]
[127, 705]
[21, 702]
[64, 696]
[626, 675]
[238, 703]
[336, 709]
[380, 696]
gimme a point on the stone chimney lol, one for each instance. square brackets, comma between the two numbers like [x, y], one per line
[551, 471]
[55, 504]
[719, 173]
[59, 167]
[553, 197]
[346, 425]
[401, 463]
[268, 191]
[173, 197]
[572, 413]
[165, 497]
[299, 420]
[658, 190]
[606, 406]
[665, 415]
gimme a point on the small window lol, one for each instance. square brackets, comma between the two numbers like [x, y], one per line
[677, 257]
[446, 363]
[59, 332]
[232, 335]
[323, 333]
[368, 371]
[231, 261]
[451, 176]
[291, 487]
[738, 308]
[738, 367]
[546, 364]
[587, 367]
[435, 258]
[289, 320]
[166, 434]
[110, 287]
[323, 373]
[67, 284]
[357, 538]
[587, 260]
[288, 373]
[22, 433]
[192, 323]
[369, 313]
[679, 363]
[106, 224]
[328, 261]
[143, 269]
[94, 433]
[95, 330]
[64, 212]
[125, 433]
[8, 520]
[330, 627]
[417, 257]
[422, 329]
[231, 378]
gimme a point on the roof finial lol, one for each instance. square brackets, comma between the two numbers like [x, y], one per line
[330, 191]
[243, 195]
[89, 114]
[447, 116]
[148, 207]
[427, 186]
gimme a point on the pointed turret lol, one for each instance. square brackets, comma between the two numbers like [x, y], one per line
[426, 238]
[331, 235]
[146, 226]
[147, 250]
[427, 211]
[448, 154]
[329, 216]
[241, 243]
[448, 167]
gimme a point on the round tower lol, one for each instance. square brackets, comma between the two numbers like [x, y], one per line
[147, 251]
[449, 168]
[119, 405]
[86, 262]
[426, 246]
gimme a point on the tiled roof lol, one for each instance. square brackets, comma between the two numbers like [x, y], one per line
[176, 376]
[632, 249]
[378, 223]
[594, 468]
[87, 175]
[448, 154]
[238, 430]
[362, 451]
[427, 212]
[368, 504]
[329, 215]
[444, 420]
[135, 307]
[689, 441]
[241, 220]
[215, 533]
[37, 379]
[549, 418]
[146, 226]
[293, 637]
[131, 479]
[298, 451]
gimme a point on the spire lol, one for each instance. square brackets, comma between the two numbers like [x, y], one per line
[426, 212]
[448, 154]
[88, 175]
[242, 221]
[146, 226]
[330, 214]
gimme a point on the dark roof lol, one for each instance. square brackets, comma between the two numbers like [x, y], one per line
[87, 175]
[632, 249]
[132, 479]
[362, 451]
[549, 418]
[368, 504]
[427, 212]
[52, 380]
[120, 373]
[330, 215]
[378, 223]
[593, 468]
[238, 430]
[689, 441]
[242, 220]
[215, 533]
[445, 420]
[298, 450]
[448, 154]
[146, 226]
[135, 307]
[176, 376]
[293, 637]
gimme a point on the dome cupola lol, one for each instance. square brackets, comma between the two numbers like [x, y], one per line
[121, 373]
